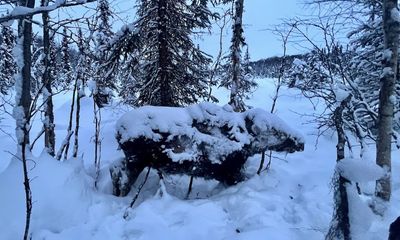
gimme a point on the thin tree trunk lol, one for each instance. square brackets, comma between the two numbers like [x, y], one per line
[22, 110]
[69, 130]
[340, 226]
[237, 41]
[49, 134]
[28, 192]
[190, 187]
[77, 118]
[260, 168]
[219, 56]
[285, 38]
[386, 96]
[97, 141]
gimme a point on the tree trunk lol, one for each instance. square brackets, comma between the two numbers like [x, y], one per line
[77, 117]
[49, 135]
[97, 140]
[66, 142]
[340, 226]
[386, 96]
[165, 88]
[22, 109]
[237, 41]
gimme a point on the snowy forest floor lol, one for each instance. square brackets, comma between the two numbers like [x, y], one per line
[292, 200]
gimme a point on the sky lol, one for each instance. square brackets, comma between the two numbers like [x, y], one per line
[260, 16]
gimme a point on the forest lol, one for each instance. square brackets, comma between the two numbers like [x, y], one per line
[116, 122]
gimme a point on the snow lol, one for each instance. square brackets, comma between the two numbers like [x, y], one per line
[361, 216]
[387, 55]
[291, 201]
[387, 71]
[340, 93]
[298, 62]
[151, 121]
[359, 170]
[395, 15]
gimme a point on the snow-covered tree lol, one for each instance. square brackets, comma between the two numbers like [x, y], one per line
[374, 45]
[82, 74]
[104, 78]
[65, 74]
[8, 66]
[387, 99]
[366, 63]
[48, 78]
[169, 68]
[235, 76]
[22, 110]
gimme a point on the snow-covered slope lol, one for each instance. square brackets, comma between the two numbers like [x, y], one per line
[292, 200]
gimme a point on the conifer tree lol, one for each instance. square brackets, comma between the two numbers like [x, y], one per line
[65, 65]
[8, 66]
[104, 78]
[170, 68]
[234, 76]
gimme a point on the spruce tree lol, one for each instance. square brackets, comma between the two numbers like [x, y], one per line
[170, 69]
[234, 75]
[65, 77]
[8, 66]
[103, 78]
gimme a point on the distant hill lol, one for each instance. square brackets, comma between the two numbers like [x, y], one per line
[269, 67]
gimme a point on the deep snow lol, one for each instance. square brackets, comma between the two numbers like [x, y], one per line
[292, 200]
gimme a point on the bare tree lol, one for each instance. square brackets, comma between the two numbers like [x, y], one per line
[48, 125]
[340, 227]
[284, 35]
[217, 63]
[22, 110]
[391, 28]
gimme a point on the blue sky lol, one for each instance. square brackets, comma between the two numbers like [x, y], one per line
[259, 17]
[262, 15]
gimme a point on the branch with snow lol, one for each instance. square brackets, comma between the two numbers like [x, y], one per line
[21, 11]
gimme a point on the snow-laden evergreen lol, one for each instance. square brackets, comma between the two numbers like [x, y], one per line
[8, 66]
[169, 70]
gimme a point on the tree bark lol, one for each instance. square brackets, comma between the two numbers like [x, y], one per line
[386, 96]
[79, 95]
[49, 135]
[165, 88]
[340, 227]
[69, 130]
[22, 110]
[237, 41]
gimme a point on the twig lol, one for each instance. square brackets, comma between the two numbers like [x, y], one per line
[37, 137]
[126, 214]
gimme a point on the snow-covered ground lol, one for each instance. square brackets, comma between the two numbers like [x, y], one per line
[292, 200]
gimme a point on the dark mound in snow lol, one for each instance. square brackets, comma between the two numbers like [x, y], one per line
[203, 140]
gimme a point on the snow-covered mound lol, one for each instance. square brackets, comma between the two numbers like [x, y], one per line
[202, 140]
[219, 128]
